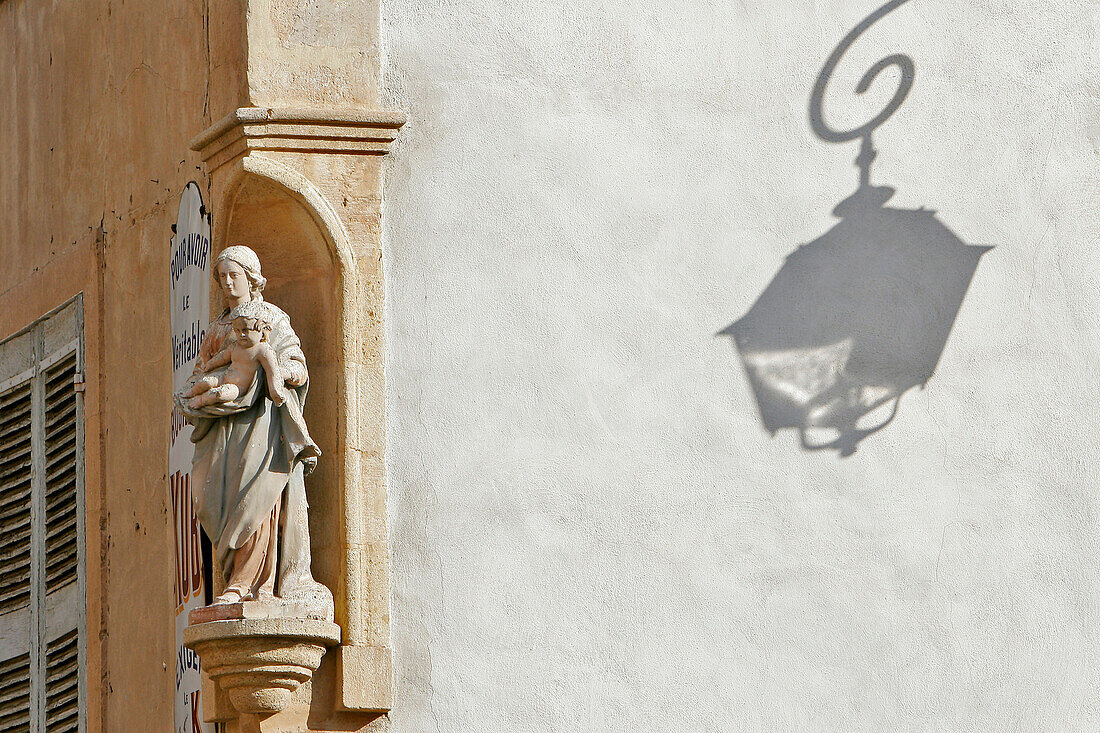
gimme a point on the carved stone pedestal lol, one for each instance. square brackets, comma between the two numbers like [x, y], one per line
[258, 663]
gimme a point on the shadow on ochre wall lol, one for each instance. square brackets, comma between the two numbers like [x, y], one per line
[860, 315]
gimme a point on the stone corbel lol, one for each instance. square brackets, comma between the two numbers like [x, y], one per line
[257, 663]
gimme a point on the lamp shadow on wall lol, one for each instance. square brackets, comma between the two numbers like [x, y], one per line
[859, 316]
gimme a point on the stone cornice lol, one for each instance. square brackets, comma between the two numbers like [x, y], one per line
[354, 132]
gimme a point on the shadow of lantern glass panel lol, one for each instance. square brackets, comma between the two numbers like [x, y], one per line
[42, 636]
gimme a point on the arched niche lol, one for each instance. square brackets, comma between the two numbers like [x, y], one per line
[302, 187]
[333, 298]
[303, 279]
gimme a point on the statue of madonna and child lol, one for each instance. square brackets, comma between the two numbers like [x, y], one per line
[252, 447]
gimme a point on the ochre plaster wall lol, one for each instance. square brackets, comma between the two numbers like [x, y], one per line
[98, 101]
[591, 529]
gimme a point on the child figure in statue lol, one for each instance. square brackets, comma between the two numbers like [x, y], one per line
[244, 356]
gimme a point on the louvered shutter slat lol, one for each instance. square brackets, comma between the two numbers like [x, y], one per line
[13, 474]
[61, 539]
[60, 385]
[14, 542]
[59, 568]
[58, 499]
[62, 684]
[11, 481]
[62, 480]
[14, 494]
[15, 589]
[15, 500]
[11, 397]
[17, 461]
[59, 431]
[15, 692]
[11, 675]
[15, 445]
[17, 423]
[59, 461]
[16, 427]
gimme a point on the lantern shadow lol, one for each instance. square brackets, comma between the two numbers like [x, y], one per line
[859, 316]
[853, 320]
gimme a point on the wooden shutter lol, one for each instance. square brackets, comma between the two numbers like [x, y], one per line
[63, 683]
[15, 693]
[42, 628]
[61, 460]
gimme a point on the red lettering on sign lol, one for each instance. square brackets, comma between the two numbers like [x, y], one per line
[174, 488]
[188, 546]
[196, 726]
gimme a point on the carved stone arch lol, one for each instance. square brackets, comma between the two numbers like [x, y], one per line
[296, 185]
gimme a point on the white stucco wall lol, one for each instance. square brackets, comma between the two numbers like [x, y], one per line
[591, 529]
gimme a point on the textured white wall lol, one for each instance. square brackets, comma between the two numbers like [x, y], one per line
[591, 529]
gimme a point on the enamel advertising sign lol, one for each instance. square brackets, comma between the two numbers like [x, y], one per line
[190, 313]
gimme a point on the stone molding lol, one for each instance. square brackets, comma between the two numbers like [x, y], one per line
[349, 132]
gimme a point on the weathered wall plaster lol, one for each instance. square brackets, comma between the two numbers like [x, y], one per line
[591, 530]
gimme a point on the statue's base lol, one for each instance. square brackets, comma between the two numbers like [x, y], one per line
[274, 608]
[258, 661]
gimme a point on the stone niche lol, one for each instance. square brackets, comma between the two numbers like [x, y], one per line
[303, 189]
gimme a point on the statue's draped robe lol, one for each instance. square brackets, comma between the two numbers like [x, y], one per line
[250, 460]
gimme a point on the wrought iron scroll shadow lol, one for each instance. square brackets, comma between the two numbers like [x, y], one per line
[860, 315]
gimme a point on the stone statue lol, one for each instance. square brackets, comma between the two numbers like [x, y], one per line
[252, 448]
